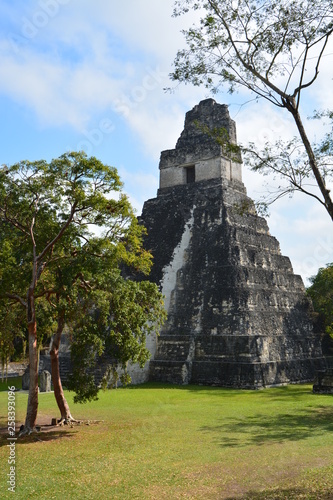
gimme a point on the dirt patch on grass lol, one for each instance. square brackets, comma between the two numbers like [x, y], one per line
[232, 483]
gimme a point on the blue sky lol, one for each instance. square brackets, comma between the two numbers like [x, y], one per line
[77, 74]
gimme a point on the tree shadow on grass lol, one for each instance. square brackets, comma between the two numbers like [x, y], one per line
[44, 435]
[278, 393]
[286, 494]
[262, 428]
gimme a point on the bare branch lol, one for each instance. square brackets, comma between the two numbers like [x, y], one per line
[277, 53]
[14, 222]
[249, 67]
[316, 73]
[17, 298]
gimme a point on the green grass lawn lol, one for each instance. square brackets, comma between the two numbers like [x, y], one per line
[167, 442]
[15, 381]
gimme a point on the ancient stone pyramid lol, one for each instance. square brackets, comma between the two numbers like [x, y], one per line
[237, 314]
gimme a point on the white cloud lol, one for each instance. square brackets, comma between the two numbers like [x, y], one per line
[159, 120]
[320, 93]
[304, 230]
[141, 24]
[88, 56]
[112, 59]
[139, 186]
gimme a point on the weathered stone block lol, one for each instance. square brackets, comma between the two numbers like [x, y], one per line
[323, 383]
[45, 381]
[26, 379]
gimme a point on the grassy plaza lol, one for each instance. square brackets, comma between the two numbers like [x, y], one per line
[156, 441]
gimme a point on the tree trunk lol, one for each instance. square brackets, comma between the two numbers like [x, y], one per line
[31, 417]
[56, 379]
[32, 408]
[328, 202]
[24, 354]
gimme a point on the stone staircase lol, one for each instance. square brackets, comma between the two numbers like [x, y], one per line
[175, 356]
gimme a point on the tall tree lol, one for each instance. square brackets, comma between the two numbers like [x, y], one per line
[274, 49]
[122, 312]
[49, 216]
[9, 329]
[92, 300]
[321, 293]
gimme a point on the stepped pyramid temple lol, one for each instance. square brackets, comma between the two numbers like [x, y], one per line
[237, 314]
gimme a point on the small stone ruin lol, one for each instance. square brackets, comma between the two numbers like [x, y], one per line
[323, 383]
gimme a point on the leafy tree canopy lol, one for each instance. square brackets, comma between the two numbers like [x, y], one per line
[321, 293]
[254, 43]
[65, 232]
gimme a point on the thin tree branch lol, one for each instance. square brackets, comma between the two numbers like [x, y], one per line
[276, 54]
[17, 298]
[61, 232]
[303, 86]
[246, 65]
[14, 222]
